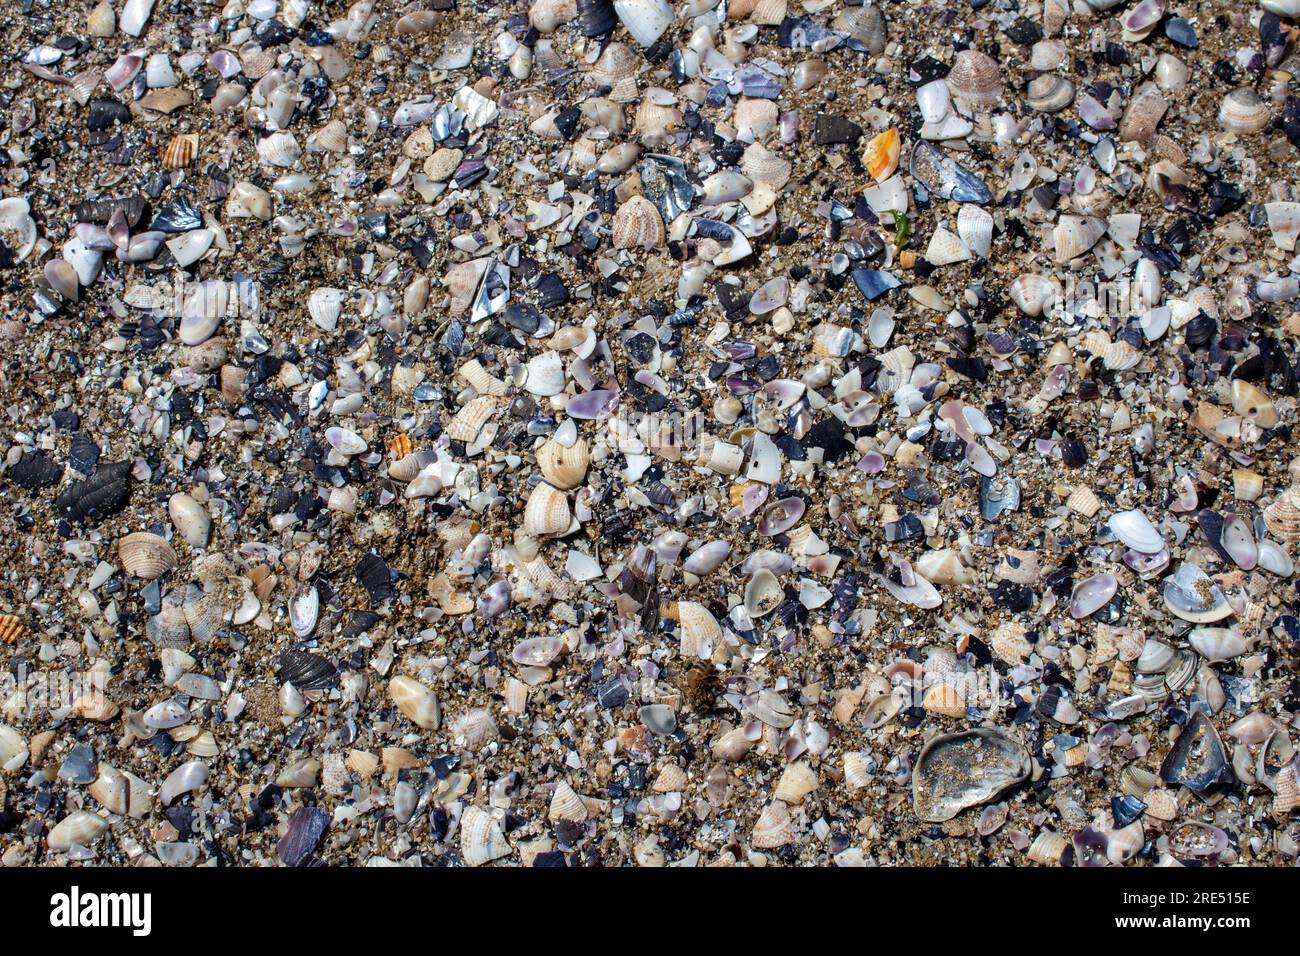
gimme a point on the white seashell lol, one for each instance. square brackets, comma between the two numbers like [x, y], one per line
[190, 519]
[566, 805]
[469, 421]
[304, 609]
[646, 20]
[545, 374]
[1135, 530]
[547, 512]
[700, 630]
[1075, 235]
[475, 729]
[13, 745]
[345, 441]
[1035, 294]
[189, 247]
[184, 779]
[17, 227]
[975, 226]
[763, 593]
[81, 828]
[933, 100]
[1217, 644]
[1242, 111]
[325, 305]
[481, 839]
[145, 555]
[774, 827]
[135, 14]
[1283, 223]
[122, 793]
[946, 248]
[279, 149]
[565, 468]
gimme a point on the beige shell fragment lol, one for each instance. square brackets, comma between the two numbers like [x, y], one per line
[469, 421]
[481, 839]
[638, 225]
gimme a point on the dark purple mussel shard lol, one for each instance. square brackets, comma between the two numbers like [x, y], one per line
[1197, 759]
[36, 471]
[946, 178]
[307, 671]
[95, 498]
[306, 827]
[958, 771]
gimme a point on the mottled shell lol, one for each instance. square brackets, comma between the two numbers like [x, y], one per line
[180, 152]
[1282, 517]
[699, 629]
[481, 839]
[1048, 848]
[469, 421]
[974, 82]
[638, 225]
[1009, 644]
[547, 512]
[145, 555]
[565, 468]
[1144, 111]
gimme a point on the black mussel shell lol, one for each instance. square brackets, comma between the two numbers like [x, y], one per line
[36, 471]
[306, 827]
[307, 671]
[1197, 759]
[373, 575]
[596, 17]
[95, 498]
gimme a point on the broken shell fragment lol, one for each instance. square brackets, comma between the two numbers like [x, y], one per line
[957, 771]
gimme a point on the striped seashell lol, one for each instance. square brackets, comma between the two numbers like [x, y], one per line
[145, 555]
[769, 13]
[774, 827]
[547, 512]
[1048, 848]
[332, 137]
[565, 468]
[700, 630]
[81, 828]
[763, 166]
[479, 379]
[1009, 643]
[566, 805]
[475, 729]
[671, 778]
[637, 225]
[256, 61]
[974, 81]
[1083, 501]
[181, 151]
[1120, 356]
[11, 628]
[469, 421]
[797, 781]
[481, 839]
[857, 770]
[1282, 517]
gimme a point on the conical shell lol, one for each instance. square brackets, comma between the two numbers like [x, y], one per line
[547, 512]
[145, 555]
[469, 421]
[565, 468]
[415, 701]
[481, 839]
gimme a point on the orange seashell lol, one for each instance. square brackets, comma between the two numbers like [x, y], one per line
[180, 152]
[401, 446]
[10, 629]
[881, 155]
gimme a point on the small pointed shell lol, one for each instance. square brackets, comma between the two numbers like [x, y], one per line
[145, 555]
[547, 512]
[415, 701]
[481, 839]
[565, 468]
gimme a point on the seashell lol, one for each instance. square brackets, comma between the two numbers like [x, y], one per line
[135, 14]
[1009, 643]
[469, 421]
[857, 770]
[646, 20]
[670, 779]
[1047, 54]
[1192, 596]
[1242, 111]
[190, 519]
[81, 828]
[956, 771]
[145, 555]
[637, 225]
[1251, 402]
[881, 154]
[547, 512]
[1282, 517]
[763, 166]
[781, 516]
[1142, 114]
[974, 81]
[719, 456]
[1197, 759]
[944, 566]
[101, 21]
[933, 101]
[1075, 235]
[63, 279]
[121, 793]
[1283, 223]
[481, 839]
[1092, 594]
[545, 374]
[566, 805]
[763, 593]
[944, 177]
[700, 630]
[618, 158]
[1048, 848]
[865, 27]
[415, 701]
[475, 729]
[304, 609]
[325, 305]
[479, 379]
[11, 628]
[181, 151]
[975, 227]
[564, 468]
[186, 778]
[17, 227]
[774, 827]
[1217, 644]
[946, 248]
[332, 137]
[797, 781]
[279, 149]
[1035, 294]
[1049, 93]
[596, 17]
[1136, 531]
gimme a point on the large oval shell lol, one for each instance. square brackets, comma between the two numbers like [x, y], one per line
[957, 771]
